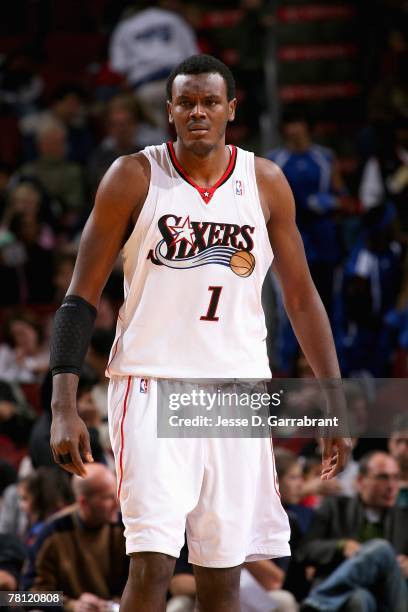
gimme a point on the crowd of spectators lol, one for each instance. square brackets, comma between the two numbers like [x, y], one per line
[349, 544]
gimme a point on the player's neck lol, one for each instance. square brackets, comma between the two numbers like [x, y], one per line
[205, 170]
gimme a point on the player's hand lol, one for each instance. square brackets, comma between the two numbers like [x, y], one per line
[70, 440]
[335, 455]
[7, 581]
[350, 548]
[328, 487]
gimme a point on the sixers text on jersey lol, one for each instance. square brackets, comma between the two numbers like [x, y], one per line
[189, 244]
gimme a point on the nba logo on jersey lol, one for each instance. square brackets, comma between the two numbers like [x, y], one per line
[143, 385]
[239, 188]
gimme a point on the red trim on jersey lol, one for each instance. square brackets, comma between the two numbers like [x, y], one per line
[205, 192]
[122, 439]
[275, 476]
[115, 347]
[113, 355]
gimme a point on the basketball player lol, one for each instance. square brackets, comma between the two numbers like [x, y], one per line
[198, 223]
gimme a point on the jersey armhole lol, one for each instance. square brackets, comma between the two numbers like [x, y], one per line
[147, 204]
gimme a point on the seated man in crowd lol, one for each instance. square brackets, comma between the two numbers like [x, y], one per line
[82, 552]
[359, 546]
[398, 447]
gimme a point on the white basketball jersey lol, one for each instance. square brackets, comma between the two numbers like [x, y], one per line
[194, 266]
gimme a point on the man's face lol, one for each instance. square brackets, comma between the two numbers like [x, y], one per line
[379, 488]
[291, 485]
[200, 110]
[69, 107]
[296, 133]
[102, 503]
[398, 446]
[121, 127]
[52, 144]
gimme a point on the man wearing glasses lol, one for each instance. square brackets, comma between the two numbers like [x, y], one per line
[359, 545]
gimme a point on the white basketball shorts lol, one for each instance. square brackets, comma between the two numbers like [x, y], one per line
[222, 491]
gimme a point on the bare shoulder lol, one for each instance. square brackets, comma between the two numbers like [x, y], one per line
[128, 171]
[125, 184]
[274, 191]
[268, 174]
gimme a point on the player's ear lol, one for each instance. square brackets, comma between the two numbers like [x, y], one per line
[232, 105]
[169, 111]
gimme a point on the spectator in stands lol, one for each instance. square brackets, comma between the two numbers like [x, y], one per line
[8, 476]
[97, 357]
[398, 447]
[319, 192]
[20, 85]
[313, 486]
[67, 105]
[28, 203]
[16, 418]
[12, 556]
[389, 96]
[41, 494]
[89, 411]
[121, 138]
[12, 519]
[63, 269]
[26, 240]
[144, 48]
[320, 196]
[359, 546]
[107, 315]
[23, 357]
[385, 176]
[291, 486]
[314, 489]
[372, 280]
[61, 178]
[82, 552]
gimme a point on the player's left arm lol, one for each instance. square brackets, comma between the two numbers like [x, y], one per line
[302, 301]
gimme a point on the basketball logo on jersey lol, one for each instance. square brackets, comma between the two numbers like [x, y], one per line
[239, 188]
[144, 385]
[190, 244]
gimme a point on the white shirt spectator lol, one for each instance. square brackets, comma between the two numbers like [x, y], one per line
[26, 369]
[148, 45]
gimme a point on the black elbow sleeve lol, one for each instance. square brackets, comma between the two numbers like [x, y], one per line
[71, 334]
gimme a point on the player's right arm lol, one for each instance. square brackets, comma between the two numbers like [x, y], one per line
[118, 202]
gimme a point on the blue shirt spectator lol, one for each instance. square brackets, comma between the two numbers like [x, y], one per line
[316, 184]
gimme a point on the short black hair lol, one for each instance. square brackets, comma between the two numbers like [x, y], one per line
[203, 64]
[296, 114]
[67, 89]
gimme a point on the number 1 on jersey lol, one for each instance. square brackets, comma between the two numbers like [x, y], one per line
[213, 305]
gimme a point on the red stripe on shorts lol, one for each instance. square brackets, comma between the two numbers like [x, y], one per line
[275, 476]
[122, 439]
